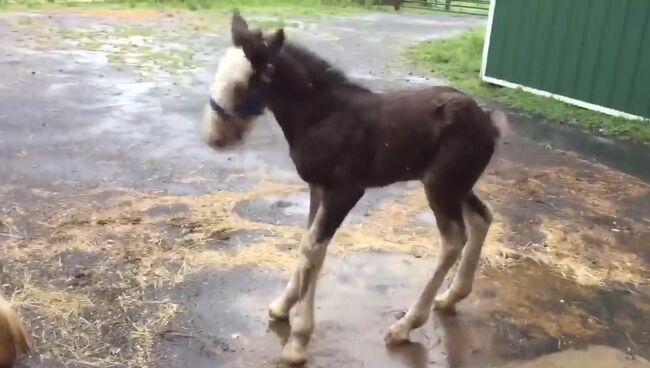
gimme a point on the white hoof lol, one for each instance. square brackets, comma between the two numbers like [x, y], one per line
[278, 310]
[294, 353]
[397, 334]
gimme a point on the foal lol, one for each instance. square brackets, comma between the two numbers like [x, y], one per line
[343, 139]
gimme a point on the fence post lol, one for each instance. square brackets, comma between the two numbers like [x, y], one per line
[447, 4]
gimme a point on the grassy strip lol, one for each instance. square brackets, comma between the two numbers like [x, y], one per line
[458, 60]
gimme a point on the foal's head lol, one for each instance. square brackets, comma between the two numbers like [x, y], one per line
[239, 91]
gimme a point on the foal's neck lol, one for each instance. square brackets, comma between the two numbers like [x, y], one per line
[304, 95]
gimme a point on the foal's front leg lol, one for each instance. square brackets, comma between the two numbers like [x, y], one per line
[334, 207]
[280, 307]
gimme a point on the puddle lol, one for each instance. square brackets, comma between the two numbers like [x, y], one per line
[238, 239]
[168, 210]
[293, 209]
[360, 295]
[288, 210]
[426, 218]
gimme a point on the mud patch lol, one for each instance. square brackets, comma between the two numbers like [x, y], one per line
[593, 356]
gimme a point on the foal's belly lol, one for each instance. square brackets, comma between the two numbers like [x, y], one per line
[386, 172]
[363, 168]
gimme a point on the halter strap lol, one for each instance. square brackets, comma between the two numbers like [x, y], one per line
[219, 110]
[252, 105]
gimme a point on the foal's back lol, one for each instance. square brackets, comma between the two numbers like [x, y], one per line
[405, 130]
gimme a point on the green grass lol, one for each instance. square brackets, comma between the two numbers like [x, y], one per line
[266, 7]
[458, 60]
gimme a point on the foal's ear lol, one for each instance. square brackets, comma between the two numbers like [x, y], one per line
[275, 41]
[239, 29]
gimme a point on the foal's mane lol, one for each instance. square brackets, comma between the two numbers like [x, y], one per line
[317, 70]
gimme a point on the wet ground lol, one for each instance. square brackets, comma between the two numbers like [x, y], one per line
[127, 242]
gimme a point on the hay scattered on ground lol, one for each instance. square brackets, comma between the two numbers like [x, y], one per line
[566, 249]
[130, 250]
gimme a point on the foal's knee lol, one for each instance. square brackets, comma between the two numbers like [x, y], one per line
[461, 290]
[476, 212]
[454, 237]
[448, 257]
[312, 253]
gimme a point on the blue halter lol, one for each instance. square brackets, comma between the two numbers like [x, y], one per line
[251, 106]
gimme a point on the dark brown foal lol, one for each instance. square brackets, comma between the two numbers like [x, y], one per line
[344, 139]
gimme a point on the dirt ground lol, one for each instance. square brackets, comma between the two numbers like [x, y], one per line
[128, 243]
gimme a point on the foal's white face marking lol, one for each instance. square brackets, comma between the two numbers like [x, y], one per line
[233, 73]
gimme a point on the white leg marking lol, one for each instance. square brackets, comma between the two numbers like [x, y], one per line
[461, 287]
[303, 286]
[280, 307]
[418, 314]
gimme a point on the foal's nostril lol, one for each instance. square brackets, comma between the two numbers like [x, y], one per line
[215, 142]
[219, 142]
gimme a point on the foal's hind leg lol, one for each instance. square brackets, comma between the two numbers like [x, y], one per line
[477, 218]
[280, 307]
[334, 207]
[447, 209]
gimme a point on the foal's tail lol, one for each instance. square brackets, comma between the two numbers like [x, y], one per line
[13, 340]
[500, 122]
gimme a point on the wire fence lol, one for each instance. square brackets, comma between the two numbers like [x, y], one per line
[477, 7]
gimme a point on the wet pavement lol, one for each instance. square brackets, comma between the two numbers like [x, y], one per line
[117, 223]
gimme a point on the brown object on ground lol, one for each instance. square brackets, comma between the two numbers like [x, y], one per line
[13, 340]
[592, 356]
[397, 4]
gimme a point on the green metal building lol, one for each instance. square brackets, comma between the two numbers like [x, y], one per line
[591, 53]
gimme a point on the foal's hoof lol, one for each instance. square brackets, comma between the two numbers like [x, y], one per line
[397, 334]
[294, 353]
[277, 311]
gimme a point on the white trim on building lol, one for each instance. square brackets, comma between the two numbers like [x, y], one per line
[569, 100]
